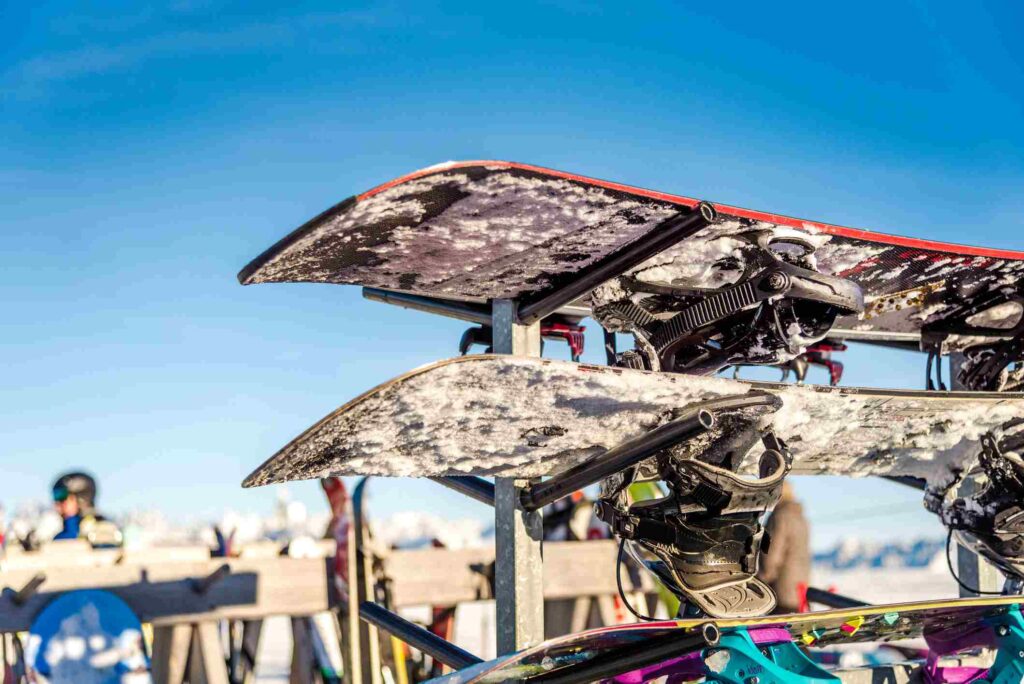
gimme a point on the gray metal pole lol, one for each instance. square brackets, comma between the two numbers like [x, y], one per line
[972, 569]
[518, 573]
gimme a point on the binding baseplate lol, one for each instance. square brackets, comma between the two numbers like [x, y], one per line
[740, 655]
[1004, 633]
[773, 305]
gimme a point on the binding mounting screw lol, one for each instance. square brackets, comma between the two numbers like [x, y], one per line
[1002, 630]
[775, 281]
[752, 680]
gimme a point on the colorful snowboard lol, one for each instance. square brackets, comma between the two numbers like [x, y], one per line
[527, 417]
[483, 230]
[939, 620]
[88, 637]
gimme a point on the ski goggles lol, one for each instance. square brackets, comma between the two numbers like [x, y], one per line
[60, 494]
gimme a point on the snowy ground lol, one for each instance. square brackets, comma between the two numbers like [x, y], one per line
[274, 658]
[888, 585]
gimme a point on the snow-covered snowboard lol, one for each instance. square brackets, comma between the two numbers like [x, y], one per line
[527, 417]
[483, 230]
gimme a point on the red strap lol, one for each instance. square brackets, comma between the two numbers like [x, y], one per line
[801, 591]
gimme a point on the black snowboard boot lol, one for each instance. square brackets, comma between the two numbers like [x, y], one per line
[704, 539]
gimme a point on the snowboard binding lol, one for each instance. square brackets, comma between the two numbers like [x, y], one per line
[773, 304]
[703, 539]
[993, 324]
[991, 521]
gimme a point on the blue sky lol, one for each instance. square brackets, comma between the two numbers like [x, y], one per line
[149, 151]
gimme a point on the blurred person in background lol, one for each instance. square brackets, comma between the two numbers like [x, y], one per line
[74, 498]
[786, 566]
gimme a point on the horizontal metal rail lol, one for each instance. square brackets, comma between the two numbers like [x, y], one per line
[437, 648]
[699, 419]
[670, 231]
[450, 308]
[472, 486]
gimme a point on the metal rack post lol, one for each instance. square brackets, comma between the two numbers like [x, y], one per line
[518, 581]
[972, 569]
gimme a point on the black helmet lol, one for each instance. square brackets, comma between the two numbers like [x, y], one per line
[82, 485]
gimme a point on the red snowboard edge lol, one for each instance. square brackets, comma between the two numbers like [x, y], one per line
[854, 233]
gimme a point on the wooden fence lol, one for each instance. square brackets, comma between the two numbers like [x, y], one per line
[186, 596]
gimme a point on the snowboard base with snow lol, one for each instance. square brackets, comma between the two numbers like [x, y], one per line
[527, 417]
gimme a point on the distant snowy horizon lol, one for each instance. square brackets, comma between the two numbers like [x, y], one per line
[412, 529]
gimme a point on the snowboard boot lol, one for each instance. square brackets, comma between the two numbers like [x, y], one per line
[991, 520]
[703, 540]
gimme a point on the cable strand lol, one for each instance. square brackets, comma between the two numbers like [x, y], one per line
[949, 563]
[618, 583]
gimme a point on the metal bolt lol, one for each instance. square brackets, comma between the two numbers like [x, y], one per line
[752, 680]
[1002, 630]
[775, 281]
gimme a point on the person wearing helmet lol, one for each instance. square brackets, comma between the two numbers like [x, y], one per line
[74, 497]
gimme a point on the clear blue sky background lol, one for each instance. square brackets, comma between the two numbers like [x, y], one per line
[148, 152]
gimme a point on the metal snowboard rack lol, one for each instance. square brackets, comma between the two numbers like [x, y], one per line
[515, 329]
